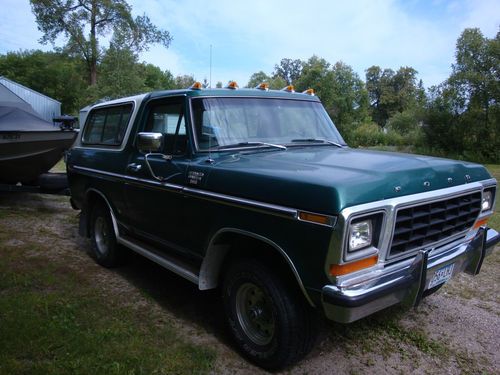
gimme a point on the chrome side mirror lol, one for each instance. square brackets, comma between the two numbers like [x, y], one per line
[149, 142]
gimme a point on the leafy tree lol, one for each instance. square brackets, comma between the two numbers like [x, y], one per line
[218, 85]
[72, 19]
[341, 90]
[119, 74]
[313, 74]
[54, 74]
[155, 78]
[349, 101]
[275, 83]
[258, 78]
[392, 92]
[288, 69]
[184, 81]
[463, 113]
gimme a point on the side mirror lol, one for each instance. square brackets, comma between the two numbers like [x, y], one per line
[149, 142]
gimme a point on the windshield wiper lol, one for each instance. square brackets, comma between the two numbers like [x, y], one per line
[304, 140]
[249, 144]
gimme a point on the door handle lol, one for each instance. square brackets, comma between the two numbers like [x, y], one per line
[134, 167]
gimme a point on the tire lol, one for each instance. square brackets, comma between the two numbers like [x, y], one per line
[104, 248]
[270, 322]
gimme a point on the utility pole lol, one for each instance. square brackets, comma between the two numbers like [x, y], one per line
[210, 81]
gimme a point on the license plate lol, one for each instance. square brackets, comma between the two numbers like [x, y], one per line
[442, 275]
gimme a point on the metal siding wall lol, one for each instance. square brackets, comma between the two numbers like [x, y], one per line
[46, 107]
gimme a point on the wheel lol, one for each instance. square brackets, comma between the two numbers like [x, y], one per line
[270, 322]
[104, 248]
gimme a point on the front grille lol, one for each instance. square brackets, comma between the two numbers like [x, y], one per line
[425, 224]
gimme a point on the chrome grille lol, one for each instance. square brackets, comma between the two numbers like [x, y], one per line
[425, 224]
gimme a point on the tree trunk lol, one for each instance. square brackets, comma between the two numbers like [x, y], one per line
[93, 46]
[93, 74]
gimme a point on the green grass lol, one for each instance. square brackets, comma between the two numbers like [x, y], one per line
[494, 221]
[57, 321]
[60, 167]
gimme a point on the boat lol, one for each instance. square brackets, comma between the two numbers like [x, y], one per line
[29, 145]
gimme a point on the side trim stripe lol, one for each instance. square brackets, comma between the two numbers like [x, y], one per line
[276, 209]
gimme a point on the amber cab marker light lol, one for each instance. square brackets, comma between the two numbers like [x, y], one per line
[263, 86]
[289, 88]
[481, 222]
[315, 218]
[232, 85]
[196, 86]
[344, 269]
[308, 92]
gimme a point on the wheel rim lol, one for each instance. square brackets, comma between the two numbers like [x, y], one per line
[102, 235]
[254, 312]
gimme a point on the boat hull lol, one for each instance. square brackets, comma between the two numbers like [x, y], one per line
[26, 155]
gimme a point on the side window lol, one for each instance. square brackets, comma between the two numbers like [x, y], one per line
[167, 117]
[106, 126]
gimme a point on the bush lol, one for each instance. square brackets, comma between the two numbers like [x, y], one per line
[367, 134]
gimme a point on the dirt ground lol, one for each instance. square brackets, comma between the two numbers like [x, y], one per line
[455, 331]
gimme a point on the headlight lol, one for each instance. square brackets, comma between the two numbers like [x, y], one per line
[487, 200]
[360, 235]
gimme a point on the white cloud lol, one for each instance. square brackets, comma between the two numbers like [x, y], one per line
[252, 36]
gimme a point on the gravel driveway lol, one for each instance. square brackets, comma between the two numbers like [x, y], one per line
[456, 330]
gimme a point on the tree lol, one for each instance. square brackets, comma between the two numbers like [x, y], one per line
[119, 74]
[184, 81]
[463, 113]
[155, 78]
[391, 92]
[54, 74]
[350, 98]
[313, 74]
[288, 69]
[341, 90]
[258, 78]
[275, 83]
[72, 18]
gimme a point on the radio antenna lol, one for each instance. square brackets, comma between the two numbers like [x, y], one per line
[210, 81]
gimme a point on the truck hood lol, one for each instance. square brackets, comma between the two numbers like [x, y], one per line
[326, 179]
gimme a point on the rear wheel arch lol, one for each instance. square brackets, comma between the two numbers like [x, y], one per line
[94, 197]
[223, 248]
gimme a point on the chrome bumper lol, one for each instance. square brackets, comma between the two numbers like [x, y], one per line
[406, 284]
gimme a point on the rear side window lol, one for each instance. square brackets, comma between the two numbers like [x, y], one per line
[106, 126]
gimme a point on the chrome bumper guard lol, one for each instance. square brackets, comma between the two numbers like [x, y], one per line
[406, 285]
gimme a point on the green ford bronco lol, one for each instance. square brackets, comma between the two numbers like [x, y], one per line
[255, 192]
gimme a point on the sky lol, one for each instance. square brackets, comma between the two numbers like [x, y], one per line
[250, 36]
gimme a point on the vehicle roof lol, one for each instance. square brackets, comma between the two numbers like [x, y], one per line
[236, 92]
[222, 92]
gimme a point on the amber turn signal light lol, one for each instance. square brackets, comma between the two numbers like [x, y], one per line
[315, 218]
[481, 222]
[344, 269]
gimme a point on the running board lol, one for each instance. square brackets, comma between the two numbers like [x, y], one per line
[169, 263]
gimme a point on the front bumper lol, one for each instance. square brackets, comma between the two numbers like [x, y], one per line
[405, 284]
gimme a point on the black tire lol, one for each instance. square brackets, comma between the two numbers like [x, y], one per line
[104, 247]
[273, 327]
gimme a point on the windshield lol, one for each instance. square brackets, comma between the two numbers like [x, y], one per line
[242, 121]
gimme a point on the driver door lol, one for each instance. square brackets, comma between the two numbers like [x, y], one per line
[155, 208]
